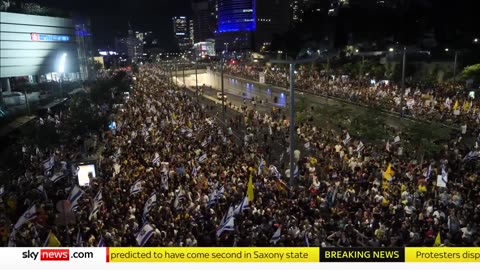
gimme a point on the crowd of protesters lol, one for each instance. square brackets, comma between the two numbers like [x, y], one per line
[444, 102]
[169, 165]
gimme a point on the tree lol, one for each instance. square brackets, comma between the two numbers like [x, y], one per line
[425, 139]
[471, 72]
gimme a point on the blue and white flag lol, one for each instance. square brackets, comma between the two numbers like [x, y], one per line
[152, 201]
[472, 155]
[442, 180]
[220, 193]
[48, 163]
[75, 194]
[347, 139]
[11, 239]
[307, 243]
[307, 145]
[295, 173]
[227, 224]
[428, 172]
[360, 147]
[244, 205]
[144, 234]
[180, 196]
[57, 177]
[156, 159]
[30, 214]
[202, 158]
[194, 171]
[136, 187]
[97, 203]
[212, 199]
[101, 243]
[2, 190]
[276, 236]
[164, 180]
[275, 172]
[260, 166]
[396, 140]
[79, 240]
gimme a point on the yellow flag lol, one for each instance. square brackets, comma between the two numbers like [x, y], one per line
[438, 240]
[466, 105]
[250, 188]
[52, 241]
[189, 124]
[175, 116]
[455, 106]
[388, 172]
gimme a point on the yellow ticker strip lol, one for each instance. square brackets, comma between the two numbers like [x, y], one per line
[442, 254]
[214, 255]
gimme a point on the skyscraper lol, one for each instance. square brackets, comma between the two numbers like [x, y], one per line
[180, 30]
[204, 19]
[250, 24]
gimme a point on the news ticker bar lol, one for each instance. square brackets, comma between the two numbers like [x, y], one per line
[292, 255]
[235, 255]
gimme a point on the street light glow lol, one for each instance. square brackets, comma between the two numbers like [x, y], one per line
[390, 49]
[61, 67]
[475, 40]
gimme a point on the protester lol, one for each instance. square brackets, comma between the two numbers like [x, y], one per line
[171, 175]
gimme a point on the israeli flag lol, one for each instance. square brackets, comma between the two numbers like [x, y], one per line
[212, 199]
[144, 234]
[307, 243]
[347, 139]
[136, 187]
[11, 239]
[101, 243]
[244, 205]
[360, 147]
[180, 196]
[156, 159]
[152, 201]
[228, 224]
[194, 171]
[2, 190]
[276, 236]
[41, 190]
[202, 158]
[74, 196]
[48, 163]
[472, 155]
[428, 172]
[261, 166]
[79, 240]
[30, 214]
[97, 203]
[164, 180]
[220, 193]
[396, 140]
[275, 172]
[295, 173]
[307, 145]
[57, 177]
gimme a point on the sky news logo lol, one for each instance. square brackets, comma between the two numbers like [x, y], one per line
[61, 254]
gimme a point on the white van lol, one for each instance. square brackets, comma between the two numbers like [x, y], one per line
[219, 96]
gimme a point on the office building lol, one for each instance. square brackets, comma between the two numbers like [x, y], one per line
[182, 35]
[39, 48]
[204, 19]
[250, 24]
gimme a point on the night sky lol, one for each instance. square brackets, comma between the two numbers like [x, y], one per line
[110, 17]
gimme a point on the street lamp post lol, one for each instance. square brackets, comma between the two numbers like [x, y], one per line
[183, 70]
[403, 80]
[292, 110]
[196, 76]
[223, 94]
[455, 69]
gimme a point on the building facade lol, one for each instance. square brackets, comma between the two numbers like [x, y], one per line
[204, 19]
[182, 35]
[250, 24]
[33, 45]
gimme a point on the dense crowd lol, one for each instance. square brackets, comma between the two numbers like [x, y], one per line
[171, 175]
[444, 102]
